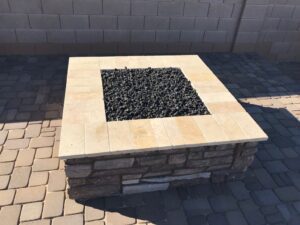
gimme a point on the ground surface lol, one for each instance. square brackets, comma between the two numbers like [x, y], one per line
[32, 179]
[149, 93]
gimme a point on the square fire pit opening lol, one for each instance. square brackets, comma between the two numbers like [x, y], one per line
[164, 122]
[149, 93]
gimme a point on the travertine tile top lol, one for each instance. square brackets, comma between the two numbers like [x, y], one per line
[86, 133]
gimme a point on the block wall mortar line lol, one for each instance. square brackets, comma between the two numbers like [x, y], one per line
[237, 28]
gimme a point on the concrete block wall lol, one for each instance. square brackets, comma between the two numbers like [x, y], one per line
[269, 27]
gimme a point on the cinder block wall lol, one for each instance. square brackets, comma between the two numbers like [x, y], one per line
[269, 27]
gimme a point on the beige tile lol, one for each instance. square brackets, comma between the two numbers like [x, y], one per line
[120, 136]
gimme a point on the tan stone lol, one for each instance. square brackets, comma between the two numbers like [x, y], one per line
[4, 182]
[25, 157]
[40, 142]
[30, 194]
[37, 222]
[45, 164]
[6, 168]
[45, 123]
[31, 211]
[72, 220]
[55, 149]
[9, 215]
[6, 197]
[20, 177]
[97, 222]
[16, 144]
[17, 125]
[54, 204]
[3, 135]
[16, 134]
[48, 134]
[91, 213]
[72, 207]
[57, 180]
[55, 123]
[42, 153]
[8, 155]
[116, 218]
[33, 130]
[38, 178]
[48, 129]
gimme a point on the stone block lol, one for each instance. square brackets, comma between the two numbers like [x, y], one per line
[44, 21]
[116, 36]
[4, 182]
[74, 22]
[78, 171]
[6, 168]
[182, 23]
[6, 197]
[7, 36]
[17, 144]
[288, 24]
[227, 24]
[140, 188]
[116, 7]
[191, 36]
[8, 155]
[196, 9]
[130, 22]
[72, 207]
[103, 22]
[255, 11]
[16, 134]
[31, 36]
[87, 7]
[171, 8]
[57, 6]
[92, 191]
[60, 36]
[206, 23]
[157, 22]
[91, 214]
[142, 36]
[40, 142]
[57, 180]
[89, 36]
[210, 154]
[45, 164]
[25, 157]
[215, 36]
[38, 178]
[282, 11]
[14, 21]
[152, 160]
[177, 159]
[3, 136]
[114, 164]
[296, 14]
[220, 10]
[223, 203]
[25, 6]
[144, 8]
[167, 36]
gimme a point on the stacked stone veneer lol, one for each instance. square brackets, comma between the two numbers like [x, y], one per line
[156, 170]
[269, 27]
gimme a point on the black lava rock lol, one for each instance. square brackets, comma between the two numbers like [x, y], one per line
[149, 93]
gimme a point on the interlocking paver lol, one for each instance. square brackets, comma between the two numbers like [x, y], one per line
[33, 130]
[4, 182]
[25, 157]
[72, 207]
[42, 153]
[71, 219]
[30, 194]
[8, 155]
[10, 214]
[41, 142]
[6, 197]
[45, 164]
[38, 178]
[57, 180]
[267, 195]
[17, 143]
[31, 211]
[53, 205]
[20, 177]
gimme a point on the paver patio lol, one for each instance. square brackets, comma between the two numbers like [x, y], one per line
[32, 179]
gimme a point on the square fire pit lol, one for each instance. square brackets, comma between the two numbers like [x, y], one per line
[145, 123]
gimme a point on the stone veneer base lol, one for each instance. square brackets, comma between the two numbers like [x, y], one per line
[156, 170]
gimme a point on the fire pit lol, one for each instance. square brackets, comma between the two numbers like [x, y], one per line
[147, 123]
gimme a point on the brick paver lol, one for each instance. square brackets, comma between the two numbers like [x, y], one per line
[33, 183]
